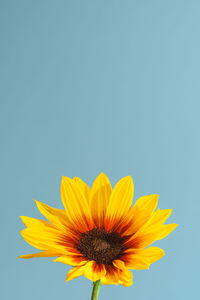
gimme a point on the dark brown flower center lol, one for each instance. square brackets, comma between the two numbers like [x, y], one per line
[100, 245]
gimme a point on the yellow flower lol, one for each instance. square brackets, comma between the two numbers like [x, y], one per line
[98, 232]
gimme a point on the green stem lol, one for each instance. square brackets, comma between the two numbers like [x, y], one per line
[95, 290]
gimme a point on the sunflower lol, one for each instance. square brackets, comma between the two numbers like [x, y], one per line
[99, 233]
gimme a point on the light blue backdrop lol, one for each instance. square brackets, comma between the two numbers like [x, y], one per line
[91, 86]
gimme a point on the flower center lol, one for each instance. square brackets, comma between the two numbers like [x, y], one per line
[100, 245]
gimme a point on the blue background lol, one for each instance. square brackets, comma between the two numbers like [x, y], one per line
[91, 86]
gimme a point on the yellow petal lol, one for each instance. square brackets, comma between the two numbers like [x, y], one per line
[99, 198]
[76, 205]
[115, 276]
[143, 209]
[75, 272]
[94, 271]
[150, 231]
[125, 277]
[138, 215]
[56, 216]
[157, 219]
[145, 239]
[126, 283]
[83, 187]
[120, 201]
[140, 259]
[43, 237]
[135, 262]
[119, 264]
[142, 241]
[40, 234]
[72, 260]
[35, 240]
[151, 254]
[36, 223]
[111, 276]
[165, 230]
[47, 253]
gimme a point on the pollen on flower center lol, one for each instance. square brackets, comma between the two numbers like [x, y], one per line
[100, 245]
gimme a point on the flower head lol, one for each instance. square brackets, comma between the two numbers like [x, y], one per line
[98, 232]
